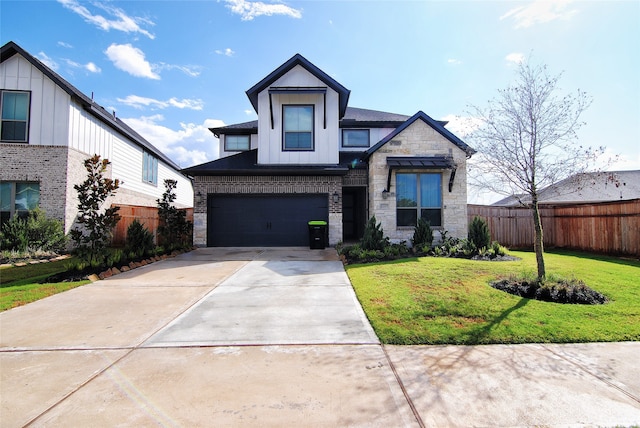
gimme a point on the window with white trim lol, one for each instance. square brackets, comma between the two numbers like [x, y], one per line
[355, 138]
[297, 127]
[237, 143]
[149, 168]
[14, 126]
[418, 195]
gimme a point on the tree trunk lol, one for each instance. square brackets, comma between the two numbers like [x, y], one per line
[537, 242]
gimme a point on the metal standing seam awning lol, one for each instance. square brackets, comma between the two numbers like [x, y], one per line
[298, 90]
[422, 162]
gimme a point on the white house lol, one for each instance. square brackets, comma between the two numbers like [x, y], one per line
[49, 128]
[310, 156]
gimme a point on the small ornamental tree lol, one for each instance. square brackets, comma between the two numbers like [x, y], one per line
[479, 233]
[174, 229]
[422, 234]
[93, 235]
[373, 237]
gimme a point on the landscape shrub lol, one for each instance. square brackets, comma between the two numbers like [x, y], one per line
[139, 241]
[422, 234]
[555, 290]
[479, 233]
[32, 234]
[174, 231]
[373, 237]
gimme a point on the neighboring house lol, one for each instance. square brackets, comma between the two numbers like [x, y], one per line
[311, 157]
[586, 187]
[49, 128]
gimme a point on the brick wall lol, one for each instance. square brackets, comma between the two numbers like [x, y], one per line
[204, 185]
[419, 139]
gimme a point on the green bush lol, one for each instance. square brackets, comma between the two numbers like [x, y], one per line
[422, 234]
[373, 237]
[34, 233]
[14, 236]
[479, 233]
[139, 242]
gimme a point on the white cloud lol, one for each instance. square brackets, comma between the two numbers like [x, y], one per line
[462, 126]
[118, 20]
[454, 61]
[140, 102]
[515, 57]
[192, 71]
[131, 60]
[47, 61]
[249, 112]
[65, 45]
[225, 52]
[192, 144]
[252, 9]
[540, 11]
[90, 66]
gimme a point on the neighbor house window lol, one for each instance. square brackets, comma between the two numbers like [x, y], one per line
[355, 138]
[418, 195]
[18, 198]
[149, 168]
[298, 127]
[237, 143]
[14, 126]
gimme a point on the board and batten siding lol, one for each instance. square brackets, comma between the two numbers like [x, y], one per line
[270, 146]
[49, 110]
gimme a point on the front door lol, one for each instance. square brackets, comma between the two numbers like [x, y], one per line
[354, 203]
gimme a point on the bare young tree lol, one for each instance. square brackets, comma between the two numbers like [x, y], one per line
[527, 140]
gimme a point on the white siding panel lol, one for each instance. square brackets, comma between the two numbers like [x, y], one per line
[88, 134]
[49, 112]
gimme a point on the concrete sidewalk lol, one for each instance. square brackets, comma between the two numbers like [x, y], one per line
[276, 337]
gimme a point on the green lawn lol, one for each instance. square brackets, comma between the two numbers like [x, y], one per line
[433, 300]
[20, 285]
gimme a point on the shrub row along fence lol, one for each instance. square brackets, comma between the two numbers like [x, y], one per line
[607, 227]
[148, 216]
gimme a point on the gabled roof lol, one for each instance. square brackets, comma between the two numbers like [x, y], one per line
[437, 125]
[296, 60]
[10, 49]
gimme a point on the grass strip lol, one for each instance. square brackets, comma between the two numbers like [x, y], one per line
[434, 300]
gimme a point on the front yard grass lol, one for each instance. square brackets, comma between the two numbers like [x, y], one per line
[432, 300]
[20, 285]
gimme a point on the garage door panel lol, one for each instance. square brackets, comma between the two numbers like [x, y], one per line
[263, 220]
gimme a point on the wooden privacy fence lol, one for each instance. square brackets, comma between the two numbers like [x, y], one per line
[606, 227]
[148, 216]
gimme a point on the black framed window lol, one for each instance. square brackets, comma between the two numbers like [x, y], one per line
[237, 143]
[418, 195]
[149, 168]
[355, 138]
[18, 198]
[14, 126]
[297, 127]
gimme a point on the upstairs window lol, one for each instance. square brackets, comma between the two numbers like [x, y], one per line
[355, 138]
[18, 198]
[237, 143]
[298, 127]
[14, 126]
[149, 168]
[418, 195]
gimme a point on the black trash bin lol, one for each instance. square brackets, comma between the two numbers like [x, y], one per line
[318, 235]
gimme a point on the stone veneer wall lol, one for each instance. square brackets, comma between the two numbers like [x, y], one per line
[204, 185]
[419, 139]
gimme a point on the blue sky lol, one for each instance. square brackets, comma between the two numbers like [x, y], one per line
[171, 69]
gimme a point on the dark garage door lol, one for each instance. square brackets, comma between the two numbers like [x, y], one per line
[262, 220]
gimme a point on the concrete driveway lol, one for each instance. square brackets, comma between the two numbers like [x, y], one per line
[276, 337]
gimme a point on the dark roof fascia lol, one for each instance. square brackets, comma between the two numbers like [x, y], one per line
[429, 121]
[10, 49]
[353, 124]
[298, 59]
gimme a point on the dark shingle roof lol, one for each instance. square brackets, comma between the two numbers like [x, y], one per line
[246, 163]
[10, 49]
